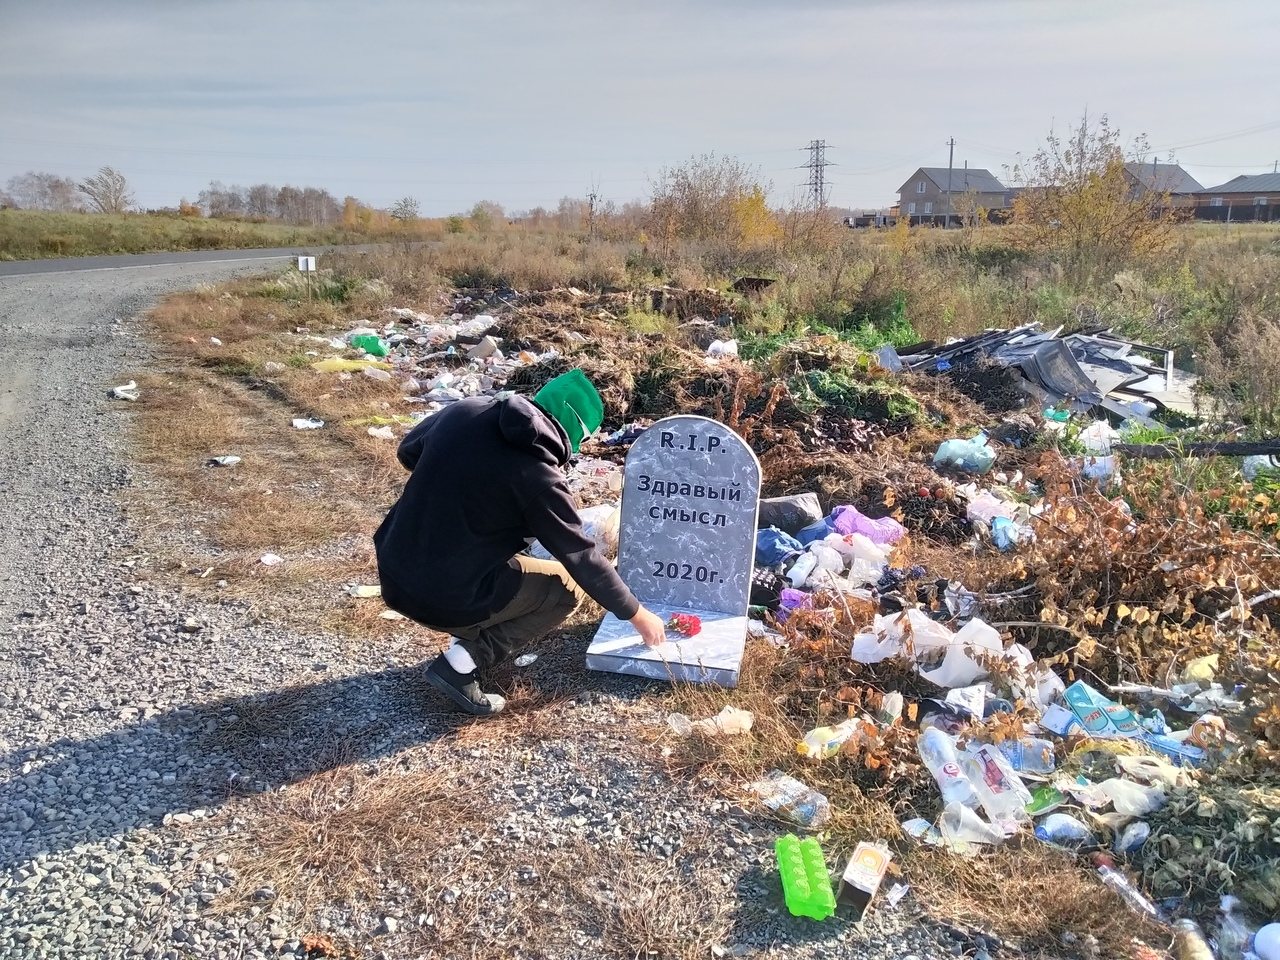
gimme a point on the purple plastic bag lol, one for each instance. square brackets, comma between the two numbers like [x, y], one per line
[793, 600]
[846, 520]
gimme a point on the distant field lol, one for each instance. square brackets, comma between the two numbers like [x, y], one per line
[37, 234]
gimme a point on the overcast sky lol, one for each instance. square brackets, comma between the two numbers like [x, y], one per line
[454, 101]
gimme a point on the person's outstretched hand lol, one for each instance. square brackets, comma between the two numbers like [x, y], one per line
[650, 627]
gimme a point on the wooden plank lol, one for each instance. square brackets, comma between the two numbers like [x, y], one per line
[1222, 448]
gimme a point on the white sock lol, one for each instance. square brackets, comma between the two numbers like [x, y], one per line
[459, 659]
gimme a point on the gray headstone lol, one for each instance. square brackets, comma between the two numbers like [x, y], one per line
[686, 543]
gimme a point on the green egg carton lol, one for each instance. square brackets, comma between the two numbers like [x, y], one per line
[805, 881]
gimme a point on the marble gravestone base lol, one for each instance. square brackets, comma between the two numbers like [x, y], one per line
[713, 656]
[686, 545]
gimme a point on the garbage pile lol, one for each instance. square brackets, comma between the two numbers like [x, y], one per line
[1095, 372]
[1008, 644]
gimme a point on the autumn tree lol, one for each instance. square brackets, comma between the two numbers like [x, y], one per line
[350, 212]
[716, 201]
[108, 191]
[1076, 202]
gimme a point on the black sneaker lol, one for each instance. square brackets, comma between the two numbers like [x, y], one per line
[463, 689]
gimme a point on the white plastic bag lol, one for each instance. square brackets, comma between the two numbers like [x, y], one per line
[1098, 437]
[1132, 799]
[828, 560]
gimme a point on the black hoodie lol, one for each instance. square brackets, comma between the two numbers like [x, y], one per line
[485, 475]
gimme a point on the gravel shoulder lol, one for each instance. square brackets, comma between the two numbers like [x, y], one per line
[154, 742]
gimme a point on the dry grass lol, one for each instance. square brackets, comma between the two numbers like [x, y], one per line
[356, 841]
[341, 836]
[313, 497]
[642, 907]
[1033, 894]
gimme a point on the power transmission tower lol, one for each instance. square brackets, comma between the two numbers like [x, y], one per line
[817, 166]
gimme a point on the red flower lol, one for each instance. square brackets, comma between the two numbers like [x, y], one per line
[685, 623]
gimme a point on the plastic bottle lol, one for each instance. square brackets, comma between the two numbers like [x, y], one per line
[824, 742]
[1001, 793]
[806, 884]
[1118, 882]
[1029, 755]
[1064, 830]
[1189, 942]
[801, 569]
[938, 751]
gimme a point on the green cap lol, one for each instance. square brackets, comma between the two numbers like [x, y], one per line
[574, 404]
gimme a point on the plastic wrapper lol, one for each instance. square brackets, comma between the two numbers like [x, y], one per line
[973, 456]
[1132, 799]
[792, 799]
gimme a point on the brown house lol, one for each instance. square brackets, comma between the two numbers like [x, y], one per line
[930, 196]
[1157, 177]
[1246, 198]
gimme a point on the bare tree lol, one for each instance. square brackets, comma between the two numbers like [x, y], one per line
[44, 191]
[571, 213]
[108, 191]
[260, 201]
[219, 200]
[405, 209]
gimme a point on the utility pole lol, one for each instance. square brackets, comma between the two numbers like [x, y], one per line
[817, 182]
[951, 157]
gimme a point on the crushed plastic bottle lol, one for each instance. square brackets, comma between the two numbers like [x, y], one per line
[806, 884]
[961, 825]
[825, 742]
[1001, 793]
[938, 751]
[1118, 882]
[794, 800]
[1029, 755]
[1064, 830]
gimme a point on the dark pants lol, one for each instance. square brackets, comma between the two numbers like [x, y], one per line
[546, 597]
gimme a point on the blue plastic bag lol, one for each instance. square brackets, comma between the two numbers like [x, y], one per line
[1004, 533]
[817, 530]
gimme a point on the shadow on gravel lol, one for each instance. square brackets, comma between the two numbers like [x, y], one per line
[194, 758]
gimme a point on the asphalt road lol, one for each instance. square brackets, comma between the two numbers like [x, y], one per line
[24, 267]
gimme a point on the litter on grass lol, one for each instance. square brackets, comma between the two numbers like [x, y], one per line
[1085, 638]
